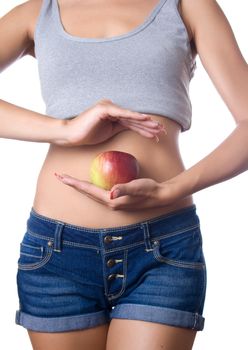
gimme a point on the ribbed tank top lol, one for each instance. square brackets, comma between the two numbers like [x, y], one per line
[147, 69]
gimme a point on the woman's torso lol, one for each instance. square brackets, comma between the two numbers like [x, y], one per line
[159, 161]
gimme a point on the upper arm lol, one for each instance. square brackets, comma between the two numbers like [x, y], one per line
[219, 53]
[16, 32]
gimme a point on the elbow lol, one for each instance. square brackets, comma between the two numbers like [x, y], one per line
[242, 124]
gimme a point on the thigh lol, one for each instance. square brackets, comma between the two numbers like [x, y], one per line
[140, 335]
[87, 339]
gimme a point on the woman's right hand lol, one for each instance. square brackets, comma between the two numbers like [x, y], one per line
[106, 119]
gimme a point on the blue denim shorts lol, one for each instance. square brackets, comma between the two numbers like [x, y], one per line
[71, 277]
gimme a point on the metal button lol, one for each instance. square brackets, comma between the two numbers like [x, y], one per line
[107, 239]
[111, 262]
[155, 243]
[111, 276]
[49, 243]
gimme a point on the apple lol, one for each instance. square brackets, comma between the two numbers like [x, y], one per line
[113, 167]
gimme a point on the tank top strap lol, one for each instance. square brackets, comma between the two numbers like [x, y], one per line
[43, 16]
[159, 5]
[172, 9]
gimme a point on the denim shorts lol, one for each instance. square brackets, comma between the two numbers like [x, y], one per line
[71, 277]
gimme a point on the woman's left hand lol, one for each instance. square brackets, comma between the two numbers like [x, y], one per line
[137, 194]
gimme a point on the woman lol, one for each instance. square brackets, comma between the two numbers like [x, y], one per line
[100, 269]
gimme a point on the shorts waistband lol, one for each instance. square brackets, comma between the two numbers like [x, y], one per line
[59, 232]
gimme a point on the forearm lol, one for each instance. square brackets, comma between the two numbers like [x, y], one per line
[229, 159]
[23, 124]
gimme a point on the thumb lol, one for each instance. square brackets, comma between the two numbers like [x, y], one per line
[117, 127]
[118, 191]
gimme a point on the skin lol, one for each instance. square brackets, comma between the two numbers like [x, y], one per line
[214, 42]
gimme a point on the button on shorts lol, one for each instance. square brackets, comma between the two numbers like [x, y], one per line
[71, 277]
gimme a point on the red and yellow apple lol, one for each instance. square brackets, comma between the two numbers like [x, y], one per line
[112, 167]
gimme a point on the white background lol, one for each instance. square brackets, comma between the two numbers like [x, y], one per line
[222, 208]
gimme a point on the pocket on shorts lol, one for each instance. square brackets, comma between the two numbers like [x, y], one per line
[181, 249]
[33, 253]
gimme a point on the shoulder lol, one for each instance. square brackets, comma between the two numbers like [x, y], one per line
[16, 31]
[26, 9]
[198, 14]
[32, 9]
[29, 11]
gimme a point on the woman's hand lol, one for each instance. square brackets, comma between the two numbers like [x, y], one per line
[106, 119]
[137, 194]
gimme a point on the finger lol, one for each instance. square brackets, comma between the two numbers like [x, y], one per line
[138, 187]
[149, 122]
[152, 126]
[93, 197]
[83, 186]
[137, 127]
[126, 189]
[143, 131]
[129, 202]
[116, 111]
[117, 127]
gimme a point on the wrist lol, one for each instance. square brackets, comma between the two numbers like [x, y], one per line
[178, 187]
[61, 133]
[168, 192]
[71, 133]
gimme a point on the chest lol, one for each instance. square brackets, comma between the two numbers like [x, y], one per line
[103, 18]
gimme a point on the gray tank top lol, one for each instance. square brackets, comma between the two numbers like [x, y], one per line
[147, 69]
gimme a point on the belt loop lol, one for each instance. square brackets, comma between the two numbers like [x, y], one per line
[147, 239]
[58, 236]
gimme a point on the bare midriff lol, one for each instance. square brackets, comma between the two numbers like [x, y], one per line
[160, 161]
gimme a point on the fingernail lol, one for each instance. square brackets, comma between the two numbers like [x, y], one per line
[115, 194]
[146, 115]
[59, 176]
